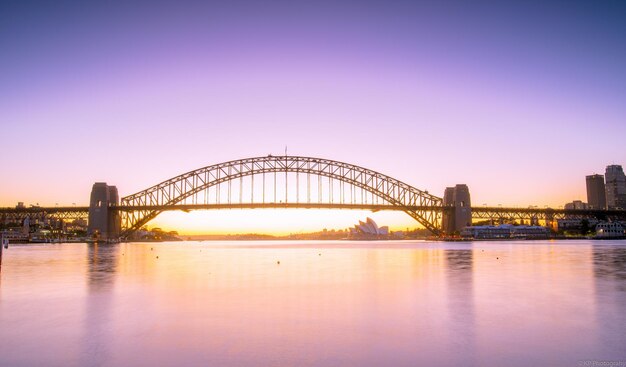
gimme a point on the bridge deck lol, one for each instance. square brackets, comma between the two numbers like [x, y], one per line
[477, 212]
[189, 207]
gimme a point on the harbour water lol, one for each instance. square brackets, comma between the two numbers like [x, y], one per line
[528, 303]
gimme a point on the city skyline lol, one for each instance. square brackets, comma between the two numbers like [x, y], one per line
[503, 98]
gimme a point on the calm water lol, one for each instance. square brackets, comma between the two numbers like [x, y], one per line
[325, 304]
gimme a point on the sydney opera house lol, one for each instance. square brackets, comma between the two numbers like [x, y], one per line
[368, 230]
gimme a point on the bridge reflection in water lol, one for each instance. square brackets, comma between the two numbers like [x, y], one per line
[340, 303]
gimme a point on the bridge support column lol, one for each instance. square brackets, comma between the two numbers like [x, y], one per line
[457, 212]
[103, 223]
[550, 219]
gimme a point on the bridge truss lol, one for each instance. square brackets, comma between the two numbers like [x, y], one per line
[547, 215]
[281, 181]
[17, 215]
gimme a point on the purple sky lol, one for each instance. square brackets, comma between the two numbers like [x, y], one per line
[520, 102]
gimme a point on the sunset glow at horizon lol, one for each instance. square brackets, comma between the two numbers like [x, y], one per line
[518, 101]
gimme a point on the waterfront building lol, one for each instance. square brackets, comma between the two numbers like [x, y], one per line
[577, 204]
[505, 231]
[575, 224]
[615, 187]
[486, 232]
[596, 194]
[15, 235]
[610, 230]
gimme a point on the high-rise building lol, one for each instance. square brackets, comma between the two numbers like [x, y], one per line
[596, 194]
[577, 204]
[615, 187]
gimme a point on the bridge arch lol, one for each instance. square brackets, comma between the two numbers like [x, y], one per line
[171, 193]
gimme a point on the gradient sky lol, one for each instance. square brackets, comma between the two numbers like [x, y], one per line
[519, 100]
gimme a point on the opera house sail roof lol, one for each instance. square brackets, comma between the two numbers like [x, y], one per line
[369, 227]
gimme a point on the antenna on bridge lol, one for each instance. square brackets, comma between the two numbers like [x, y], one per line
[285, 150]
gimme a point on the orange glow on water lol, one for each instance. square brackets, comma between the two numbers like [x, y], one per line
[357, 303]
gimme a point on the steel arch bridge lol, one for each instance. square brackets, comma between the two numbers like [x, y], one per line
[307, 183]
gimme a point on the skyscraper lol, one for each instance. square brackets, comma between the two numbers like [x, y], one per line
[615, 187]
[596, 194]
